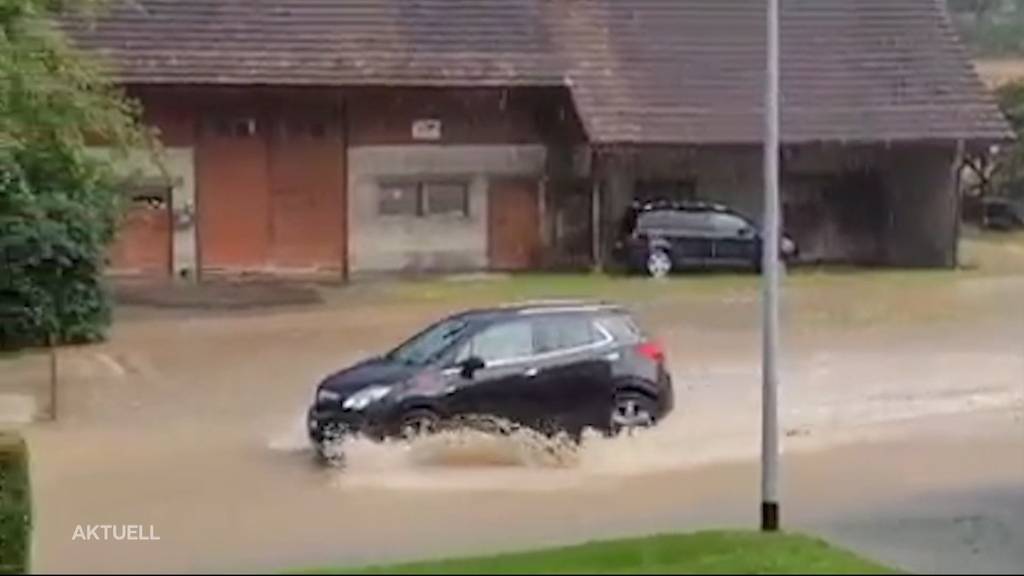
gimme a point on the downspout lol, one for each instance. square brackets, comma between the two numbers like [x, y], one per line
[597, 254]
[958, 161]
[345, 191]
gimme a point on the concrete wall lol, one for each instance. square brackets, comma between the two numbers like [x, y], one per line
[730, 175]
[180, 163]
[383, 243]
[480, 116]
[922, 228]
[834, 202]
[176, 167]
[871, 205]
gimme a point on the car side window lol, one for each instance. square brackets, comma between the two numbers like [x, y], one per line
[564, 333]
[656, 220]
[674, 221]
[728, 223]
[622, 328]
[501, 342]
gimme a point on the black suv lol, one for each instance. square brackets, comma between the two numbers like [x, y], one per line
[554, 367]
[660, 237]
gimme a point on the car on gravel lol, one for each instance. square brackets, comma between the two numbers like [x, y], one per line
[658, 238]
[552, 367]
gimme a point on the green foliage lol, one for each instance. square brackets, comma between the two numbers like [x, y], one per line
[1009, 175]
[990, 27]
[1011, 100]
[58, 204]
[15, 506]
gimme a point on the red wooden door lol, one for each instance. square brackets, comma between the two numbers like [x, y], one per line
[233, 196]
[307, 219]
[513, 224]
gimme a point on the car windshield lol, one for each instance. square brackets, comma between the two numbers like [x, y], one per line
[429, 344]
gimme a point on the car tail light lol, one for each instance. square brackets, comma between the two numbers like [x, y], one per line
[651, 350]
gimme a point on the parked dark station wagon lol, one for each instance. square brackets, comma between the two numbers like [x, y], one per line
[658, 238]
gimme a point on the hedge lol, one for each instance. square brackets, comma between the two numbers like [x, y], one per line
[15, 506]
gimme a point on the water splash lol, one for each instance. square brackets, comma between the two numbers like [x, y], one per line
[505, 457]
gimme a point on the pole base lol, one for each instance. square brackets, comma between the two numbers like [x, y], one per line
[769, 516]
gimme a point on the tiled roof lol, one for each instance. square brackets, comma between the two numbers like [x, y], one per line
[640, 71]
[324, 42]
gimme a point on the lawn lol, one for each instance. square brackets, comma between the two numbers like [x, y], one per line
[700, 553]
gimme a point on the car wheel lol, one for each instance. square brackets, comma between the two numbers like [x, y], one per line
[330, 450]
[633, 411]
[659, 263]
[417, 423]
[330, 454]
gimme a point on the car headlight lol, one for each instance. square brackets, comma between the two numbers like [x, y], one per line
[360, 400]
[324, 396]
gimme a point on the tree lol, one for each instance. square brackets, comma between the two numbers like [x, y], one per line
[977, 8]
[58, 203]
[1009, 172]
[990, 27]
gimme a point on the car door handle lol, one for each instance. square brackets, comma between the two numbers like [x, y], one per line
[530, 372]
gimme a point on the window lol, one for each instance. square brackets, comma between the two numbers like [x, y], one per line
[148, 195]
[237, 127]
[426, 198]
[622, 328]
[674, 220]
[431, 343]
[446, 198]
[672, 190]
[506, 341]
[399, 200]
[562, 333]
[728, 223]
[298, 129]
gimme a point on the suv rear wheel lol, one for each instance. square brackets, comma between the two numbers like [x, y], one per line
[633, 411]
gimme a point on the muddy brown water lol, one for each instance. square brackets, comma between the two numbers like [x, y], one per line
[192, 423]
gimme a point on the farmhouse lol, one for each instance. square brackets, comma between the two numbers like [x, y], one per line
[347, 138]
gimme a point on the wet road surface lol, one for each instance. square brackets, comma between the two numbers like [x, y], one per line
[902, 411]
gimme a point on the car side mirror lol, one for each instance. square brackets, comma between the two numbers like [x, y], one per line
[469, 367]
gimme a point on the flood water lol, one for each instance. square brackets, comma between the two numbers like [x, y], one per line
[193, 423]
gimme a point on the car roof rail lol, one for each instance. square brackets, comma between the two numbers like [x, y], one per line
[539, 302]
[554, 305]
[683, 205]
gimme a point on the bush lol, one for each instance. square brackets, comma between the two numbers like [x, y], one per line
[52, 247]
[15, 506]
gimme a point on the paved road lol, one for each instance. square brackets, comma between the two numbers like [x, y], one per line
[902, 411]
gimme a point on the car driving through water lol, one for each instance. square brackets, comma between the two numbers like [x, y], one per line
[551, 367]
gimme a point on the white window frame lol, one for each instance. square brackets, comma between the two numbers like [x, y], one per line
[421, 184]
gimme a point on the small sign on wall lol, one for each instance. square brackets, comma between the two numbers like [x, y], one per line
[426, 129]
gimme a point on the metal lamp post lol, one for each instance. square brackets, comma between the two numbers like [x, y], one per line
[770, 280]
